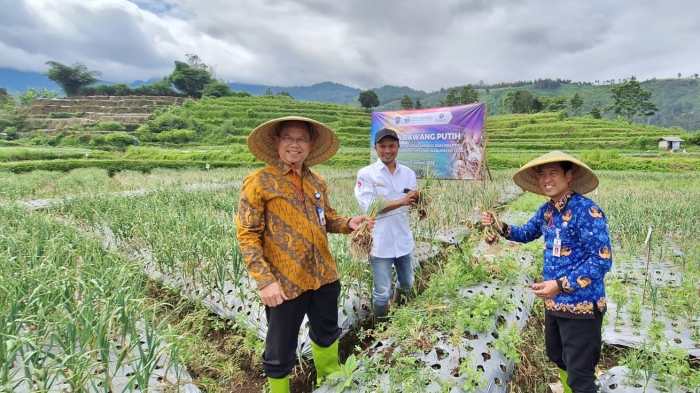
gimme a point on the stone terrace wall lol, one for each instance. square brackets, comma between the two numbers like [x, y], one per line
[60, 113]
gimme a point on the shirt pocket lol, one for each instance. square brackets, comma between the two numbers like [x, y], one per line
[382, 190]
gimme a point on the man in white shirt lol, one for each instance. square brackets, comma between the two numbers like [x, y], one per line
[392, 237]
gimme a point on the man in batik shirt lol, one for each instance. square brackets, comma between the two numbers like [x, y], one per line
[284, 216]
[577, 254]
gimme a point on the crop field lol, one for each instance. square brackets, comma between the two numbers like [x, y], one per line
[211, 133]
[134, 282]
[121, 270]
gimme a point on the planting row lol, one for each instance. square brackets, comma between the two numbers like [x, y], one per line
[74, 317]
[460, 335]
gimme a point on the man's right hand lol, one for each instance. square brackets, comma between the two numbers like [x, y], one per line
[486, 219]
[272, 295]
[410, 198]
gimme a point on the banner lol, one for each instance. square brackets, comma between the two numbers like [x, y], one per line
[445, 143]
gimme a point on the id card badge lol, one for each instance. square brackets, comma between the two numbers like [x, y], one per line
[321, 216]
[556, 247]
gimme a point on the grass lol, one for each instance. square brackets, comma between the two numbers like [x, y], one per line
[191, 234]
[67, 304]
[47, 184]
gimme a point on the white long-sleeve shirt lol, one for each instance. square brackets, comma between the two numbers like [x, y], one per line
[392, 237]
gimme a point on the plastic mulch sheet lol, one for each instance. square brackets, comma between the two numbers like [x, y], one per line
[164, 376]
[443, 360]
[677, 331]
[680, 331]
[619, 380]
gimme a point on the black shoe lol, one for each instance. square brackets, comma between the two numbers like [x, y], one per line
[380, 312]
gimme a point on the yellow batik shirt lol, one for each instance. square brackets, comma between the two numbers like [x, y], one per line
[282, 230]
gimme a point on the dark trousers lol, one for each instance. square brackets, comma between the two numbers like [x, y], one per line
[574, 345]
[284, 321]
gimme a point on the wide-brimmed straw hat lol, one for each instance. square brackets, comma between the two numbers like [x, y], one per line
[262, 141]
[583, 182]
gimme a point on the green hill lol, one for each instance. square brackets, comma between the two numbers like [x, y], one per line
[212, 132]
[678, 100]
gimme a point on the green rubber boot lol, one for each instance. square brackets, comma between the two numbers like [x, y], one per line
[278, 385]
[325, 360]
[564, 378]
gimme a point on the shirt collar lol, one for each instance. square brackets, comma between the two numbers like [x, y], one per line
[382, 166]
[561, 203]
[285, 169]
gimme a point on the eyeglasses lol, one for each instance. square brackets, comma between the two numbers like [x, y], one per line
[288, 140]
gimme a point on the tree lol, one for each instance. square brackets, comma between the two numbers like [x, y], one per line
[29, 96]
[195, 62]
[71, 79]
[452, 98]
[522, 101]
[368, 99]
[418, 104]
[162, 87]
[630, 100]
[268, 92]
[406, 102]
[3, 95]
[190, 79]
[552, 104]
[595, 113]
[468, 95]
[575, 103]
[216, 88]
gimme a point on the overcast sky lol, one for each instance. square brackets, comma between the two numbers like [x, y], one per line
[423, 44]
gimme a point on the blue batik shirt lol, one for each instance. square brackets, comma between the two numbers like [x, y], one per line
[585, 254]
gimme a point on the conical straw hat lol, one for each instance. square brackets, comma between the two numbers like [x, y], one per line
[262, 141]
[584, 180]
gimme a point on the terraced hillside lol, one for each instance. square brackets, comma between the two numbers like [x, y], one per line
[61, 113]
[212, 133]
[226, 120]
[606, 144]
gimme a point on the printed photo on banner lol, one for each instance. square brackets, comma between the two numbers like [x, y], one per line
[444, 143]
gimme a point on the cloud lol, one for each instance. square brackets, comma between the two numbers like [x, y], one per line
[423, 44]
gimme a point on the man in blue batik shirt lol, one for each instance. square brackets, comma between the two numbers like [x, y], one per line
[577, 254]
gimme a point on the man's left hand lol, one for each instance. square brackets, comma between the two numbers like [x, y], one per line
[546, 289]
[356, 221]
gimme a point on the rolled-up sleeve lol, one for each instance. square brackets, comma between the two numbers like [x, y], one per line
[250, 225]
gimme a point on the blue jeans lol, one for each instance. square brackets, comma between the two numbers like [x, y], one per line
[381, 269]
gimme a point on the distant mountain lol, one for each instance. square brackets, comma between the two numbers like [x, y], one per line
[138, 83]
[389, 93]
[330, 92]
[678, 100]
[325, 92]
[18, 81]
